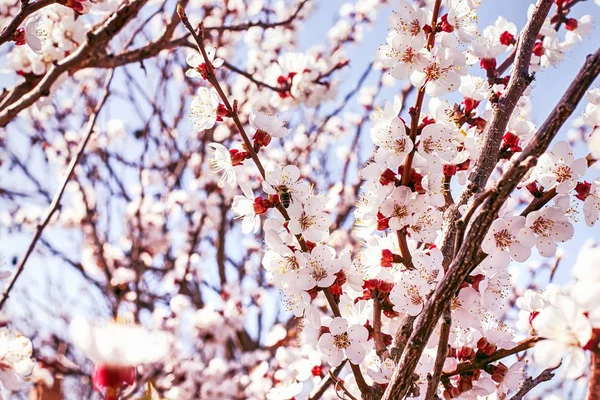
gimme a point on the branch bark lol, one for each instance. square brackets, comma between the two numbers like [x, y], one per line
[440, 358]
[530, 383]
[462, 263]
[594, 383]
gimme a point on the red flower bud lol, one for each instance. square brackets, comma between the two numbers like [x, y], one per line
[261, 205]
[571, 24]
[261, 138]
[470, 104]
[222, 112]
[538, 49]
[238, 157]
[19, 37]
[449, 170]
[507, 38]
[445, 25]
[113, 379]
[388, 176]
[534, 190]
[388, 258]
[583, 190]
[316, 370]
[382, 222]
[488, 64]
[532, 316]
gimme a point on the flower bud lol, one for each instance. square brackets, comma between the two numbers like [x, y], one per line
[111, 380]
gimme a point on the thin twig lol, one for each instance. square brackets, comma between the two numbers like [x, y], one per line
[498, 355]
[530, 383]
[265, 25]
[55, 205]
[327, 381]
[442, 353]
[380, 347]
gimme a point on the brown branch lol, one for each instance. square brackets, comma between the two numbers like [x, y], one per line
[252, 79]
[260, 24]
[442, 352]
[498, 355]
[55, 204]
[531, 383]
[594, 383]
[83, 57]
[233, 111]
[221, 245]
[327, 381]
[26, 10]
[415, 114]
[402, 336]
[380, 347]
[503, 108]
[462, 263]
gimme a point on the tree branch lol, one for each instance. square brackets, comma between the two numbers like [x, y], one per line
[463, 261]
[26, 10]
[440, 358]
[498, 355]
[54, 206]
[530, 383]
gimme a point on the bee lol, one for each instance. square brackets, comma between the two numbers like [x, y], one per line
[285, 195]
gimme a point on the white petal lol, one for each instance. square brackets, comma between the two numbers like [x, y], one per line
[338, 326]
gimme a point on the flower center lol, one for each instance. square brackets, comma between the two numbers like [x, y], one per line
[400, 211]
[562, 172]
[432, 276]
[318, 272]
[413, 295]
[341, 341]
[542, 226]
[430, 145]
[415, 27]
[289, 263]
[433, 72]
[306, 221]
[408, 55]
[400, 146]
[503, 238]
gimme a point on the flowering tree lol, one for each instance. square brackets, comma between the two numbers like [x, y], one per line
[192, 207]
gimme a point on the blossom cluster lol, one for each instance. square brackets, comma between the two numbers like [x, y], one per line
[350, 291]
[405, 191]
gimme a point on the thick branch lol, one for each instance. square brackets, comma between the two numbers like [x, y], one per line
[594, 383]
[463, 262]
